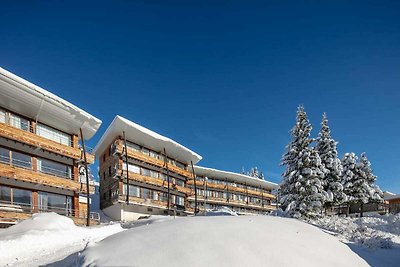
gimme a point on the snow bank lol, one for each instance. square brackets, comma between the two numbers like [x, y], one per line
[221, 241]
[370, 232]
[47, 237]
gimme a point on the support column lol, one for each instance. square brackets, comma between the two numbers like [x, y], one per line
[35, 202]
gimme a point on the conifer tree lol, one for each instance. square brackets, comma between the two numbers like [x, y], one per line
[301, 191]
[327, 150]
[375, 193]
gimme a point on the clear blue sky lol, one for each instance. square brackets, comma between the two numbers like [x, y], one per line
[223, 78]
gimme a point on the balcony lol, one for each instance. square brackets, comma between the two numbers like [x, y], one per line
[28, 175]
[145, 202]
[155, 181]
[27, 135]
[237, 203]
[157, 162]
[222, 187]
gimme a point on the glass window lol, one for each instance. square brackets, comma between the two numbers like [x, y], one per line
[53, 134]
[54, 168]
[145, 151]
[4, 155]
[133, 146]
[58, 203]
[147, 193]
[134, 191]
[145, 172]
[21, 160]
[2, 116]
[180, 165]
[153, 154]
[5, 194]
[21, 196]
[131, 168]
[179, 201]
[154, 174]
[19, 122]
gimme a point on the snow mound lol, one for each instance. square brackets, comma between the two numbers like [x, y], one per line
[221, 241]
[47, 237]
[371, 232]
[222, 211]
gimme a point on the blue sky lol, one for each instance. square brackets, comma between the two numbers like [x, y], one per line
[223, 78]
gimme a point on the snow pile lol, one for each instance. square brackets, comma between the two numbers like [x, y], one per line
[47, 237]
[221, 241]
[222, 211]
[370, 232]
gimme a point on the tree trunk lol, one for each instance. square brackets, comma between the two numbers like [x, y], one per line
[362, 209]
[347, 209]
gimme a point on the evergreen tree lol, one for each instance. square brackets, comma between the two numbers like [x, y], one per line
[301, 191]
[254, 172]
[327, 150]
[375, 193]
[261, 176]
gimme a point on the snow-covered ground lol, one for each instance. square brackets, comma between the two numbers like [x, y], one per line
[46, 238]
[221, 241]
[376, 238]
[214, 240]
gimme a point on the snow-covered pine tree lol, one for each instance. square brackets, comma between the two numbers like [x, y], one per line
[375, 193]
[254, 172]
[301, 192]
[327, 150]
[261, 176]
[355, 184]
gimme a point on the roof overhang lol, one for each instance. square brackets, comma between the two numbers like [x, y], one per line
[34, 102]
[144, 137]
[234, 177]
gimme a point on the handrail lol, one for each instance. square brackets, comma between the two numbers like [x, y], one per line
[29, 208]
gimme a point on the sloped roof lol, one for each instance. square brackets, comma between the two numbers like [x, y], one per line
[144, 137]
[234, 177]
[32, 101]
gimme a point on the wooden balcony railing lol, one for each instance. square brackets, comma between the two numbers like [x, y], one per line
[145, 202]
[30, 138]
[154, 181]
[238, 203]
[222, 187]
[32, 176]
[157, 162]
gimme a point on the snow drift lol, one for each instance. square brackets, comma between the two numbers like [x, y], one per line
[47, 237]
[222, 241]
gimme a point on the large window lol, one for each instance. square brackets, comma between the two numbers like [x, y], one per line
[19, 122]
[131, 168]
[134, 191]
[53, 134]
[15, 196]
[57, 203]
[2, 116]
[4, 155]
[21, 160]
[54, 168]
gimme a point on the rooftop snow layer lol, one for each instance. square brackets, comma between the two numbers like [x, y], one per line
[234, 177]
[222, 241]
[144, 137]
[23, 97]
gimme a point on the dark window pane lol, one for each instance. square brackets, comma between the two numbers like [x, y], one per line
[22, 196]
[21, 160]
[5, 194]
[4, 155]
[54, 168]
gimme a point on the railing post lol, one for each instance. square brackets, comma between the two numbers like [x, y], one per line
[87, 180]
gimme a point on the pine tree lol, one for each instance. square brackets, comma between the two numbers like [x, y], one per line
[301, 191]
[327, 150]
[254, 172]
[261, 176]
[375, 193]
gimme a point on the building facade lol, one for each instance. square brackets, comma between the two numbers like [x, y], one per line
[153, 167]
[241, 193]
[158, 172]
[40, 152]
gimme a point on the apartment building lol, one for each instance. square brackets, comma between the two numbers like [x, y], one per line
[241, 193]
[159, 174]
[41, 158]
[142, 172]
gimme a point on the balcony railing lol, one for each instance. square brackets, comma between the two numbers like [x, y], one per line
[9, 206]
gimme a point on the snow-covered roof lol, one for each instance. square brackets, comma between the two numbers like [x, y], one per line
[144, 137]
[234, 177]
[32, 101]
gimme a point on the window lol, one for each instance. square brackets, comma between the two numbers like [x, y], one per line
[15, 196]
[179, 182]
[153, 154]
[145, 151]
[19, 122]
[131, 168]
[2, 116]
[134, 191]
[133, 146]
[153, 174]
[53, 134]
[54, 168]
[4, 155]
[145, 172]
[180, 165]
[21, 160]
[147, 193]
[179, 201]
[53, 202]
